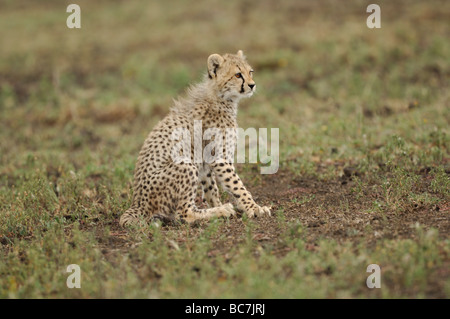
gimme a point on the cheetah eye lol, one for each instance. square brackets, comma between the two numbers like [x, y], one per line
[251, 73]
[238, 75]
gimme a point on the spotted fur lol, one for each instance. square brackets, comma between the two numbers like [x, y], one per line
[165, 189]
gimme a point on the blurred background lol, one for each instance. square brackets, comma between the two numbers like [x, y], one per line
[323, 76]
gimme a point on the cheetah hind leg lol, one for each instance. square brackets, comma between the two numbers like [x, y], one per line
[134, 216]
[192, 213]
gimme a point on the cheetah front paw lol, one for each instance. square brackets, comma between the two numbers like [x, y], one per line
[258, 211]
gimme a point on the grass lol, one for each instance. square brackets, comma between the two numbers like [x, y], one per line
[364, 149]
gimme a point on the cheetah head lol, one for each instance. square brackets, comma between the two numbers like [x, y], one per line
[231, 75]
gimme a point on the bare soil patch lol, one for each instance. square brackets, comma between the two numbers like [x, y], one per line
[328, 209]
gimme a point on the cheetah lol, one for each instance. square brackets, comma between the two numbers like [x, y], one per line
[166, 189]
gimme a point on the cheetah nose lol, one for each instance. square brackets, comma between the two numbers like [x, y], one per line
[251, 86]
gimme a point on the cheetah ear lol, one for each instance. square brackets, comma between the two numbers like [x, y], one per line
[241, 54]
[214, 62]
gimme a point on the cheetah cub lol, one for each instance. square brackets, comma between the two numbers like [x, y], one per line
[166, 189]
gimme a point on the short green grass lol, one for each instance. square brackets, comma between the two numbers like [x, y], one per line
[76, 105]
[155, 267]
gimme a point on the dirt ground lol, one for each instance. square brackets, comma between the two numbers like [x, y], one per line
[321, 212]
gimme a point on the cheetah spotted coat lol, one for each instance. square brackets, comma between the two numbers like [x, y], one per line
[166, 189]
